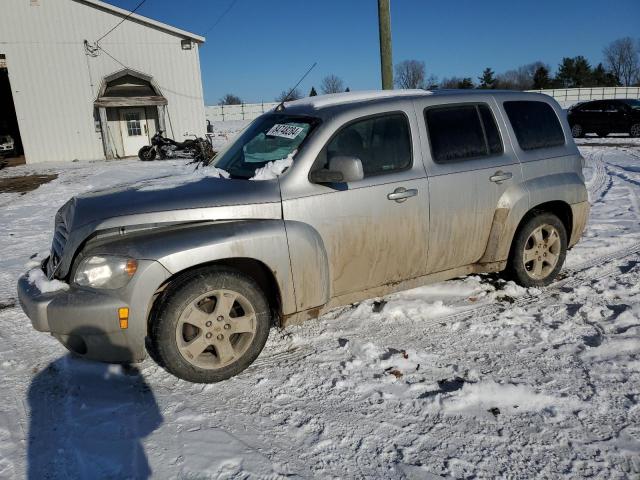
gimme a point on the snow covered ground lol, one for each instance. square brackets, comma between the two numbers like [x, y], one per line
[470, 377]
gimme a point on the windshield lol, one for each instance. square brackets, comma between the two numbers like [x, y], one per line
[635, 104]
[268, 139]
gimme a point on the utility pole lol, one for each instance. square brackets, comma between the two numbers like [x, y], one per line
[386, 63]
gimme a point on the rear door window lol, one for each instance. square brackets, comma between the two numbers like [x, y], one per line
[462, 132]
[535, 124]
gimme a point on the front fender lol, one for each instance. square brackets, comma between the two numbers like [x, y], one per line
[187, 246]
[309, 265]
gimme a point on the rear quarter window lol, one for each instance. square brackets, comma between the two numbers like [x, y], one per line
[535, 124]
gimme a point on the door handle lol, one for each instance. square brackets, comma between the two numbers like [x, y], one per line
[400, 194]
[500, 176]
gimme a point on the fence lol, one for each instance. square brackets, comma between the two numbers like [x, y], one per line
[246, 111]
[564, 96]
[569, 96]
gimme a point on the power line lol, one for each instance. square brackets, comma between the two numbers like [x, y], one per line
[112, 57]
[224, 14]
[123, 20]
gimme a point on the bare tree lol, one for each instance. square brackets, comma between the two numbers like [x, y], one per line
[230, 99]
[410, 74]
[457, 83]
[431, 83]
[450, 82]
[289, 96]
[520, 78]
[622, 57]
[332, 84]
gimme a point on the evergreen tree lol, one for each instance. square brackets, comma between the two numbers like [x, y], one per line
[347, 90]
[487, 79]
[600, 77]
[583, 72]
[566, 73]
[465, 83]
[574, 72]
[541, 78]
[313, 92]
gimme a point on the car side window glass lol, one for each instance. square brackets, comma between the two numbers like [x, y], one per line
[535, 124]
[612, 107]
[382, 143]
[590, 107]
[462, 132]
[491, 130]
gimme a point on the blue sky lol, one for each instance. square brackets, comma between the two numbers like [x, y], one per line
[260, 47]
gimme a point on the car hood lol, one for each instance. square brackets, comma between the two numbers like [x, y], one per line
[170, 195]
[158, 202]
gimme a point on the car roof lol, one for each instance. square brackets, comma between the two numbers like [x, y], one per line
[324, 104]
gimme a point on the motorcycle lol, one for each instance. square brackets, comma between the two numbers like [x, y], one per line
[203, 152]
[166, 148]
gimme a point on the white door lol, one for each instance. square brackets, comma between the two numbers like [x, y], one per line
[135, 134]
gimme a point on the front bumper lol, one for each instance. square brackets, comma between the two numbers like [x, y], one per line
[86, 320]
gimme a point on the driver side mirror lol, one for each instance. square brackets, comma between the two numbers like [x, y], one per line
[342, 169]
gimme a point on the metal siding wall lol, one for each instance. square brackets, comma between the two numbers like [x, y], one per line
[570, 96]
[51, 82]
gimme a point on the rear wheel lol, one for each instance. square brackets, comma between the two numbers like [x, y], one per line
[538, 251]
[577, 131]
[147, 153]
[212, 325]
[635, 130]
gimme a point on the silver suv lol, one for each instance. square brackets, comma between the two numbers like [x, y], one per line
[320, 203]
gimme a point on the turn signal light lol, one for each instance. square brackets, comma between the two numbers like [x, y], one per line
[131, 267]
[123, 317]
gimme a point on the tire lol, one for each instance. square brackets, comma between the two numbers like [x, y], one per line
[602, 134]
[577, 131]
[634, 131]
[195, 340]
[147, 153]
[540, 271]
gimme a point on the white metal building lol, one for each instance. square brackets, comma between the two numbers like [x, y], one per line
[75, 99]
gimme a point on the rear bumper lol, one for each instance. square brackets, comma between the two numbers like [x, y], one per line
[580, 213]
[86, 320]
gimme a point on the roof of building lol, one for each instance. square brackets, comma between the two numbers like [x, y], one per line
[145, 20]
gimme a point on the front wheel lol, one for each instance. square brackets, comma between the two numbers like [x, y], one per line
[635, 130]
[538, 251]
[147, 153]
[211, 325]
[577, 131]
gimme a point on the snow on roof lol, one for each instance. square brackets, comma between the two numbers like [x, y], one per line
[350, 97]
[145, 20]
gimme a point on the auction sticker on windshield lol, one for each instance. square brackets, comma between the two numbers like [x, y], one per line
[285, 131]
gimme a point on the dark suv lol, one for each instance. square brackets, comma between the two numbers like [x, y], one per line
[603, 117]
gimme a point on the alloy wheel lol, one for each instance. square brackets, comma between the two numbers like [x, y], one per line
[216, 329]
[541, 252]
[576, 131]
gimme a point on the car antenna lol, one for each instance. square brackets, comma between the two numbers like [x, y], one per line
[280, 106]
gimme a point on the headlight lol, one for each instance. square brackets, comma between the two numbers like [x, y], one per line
[105, 271]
